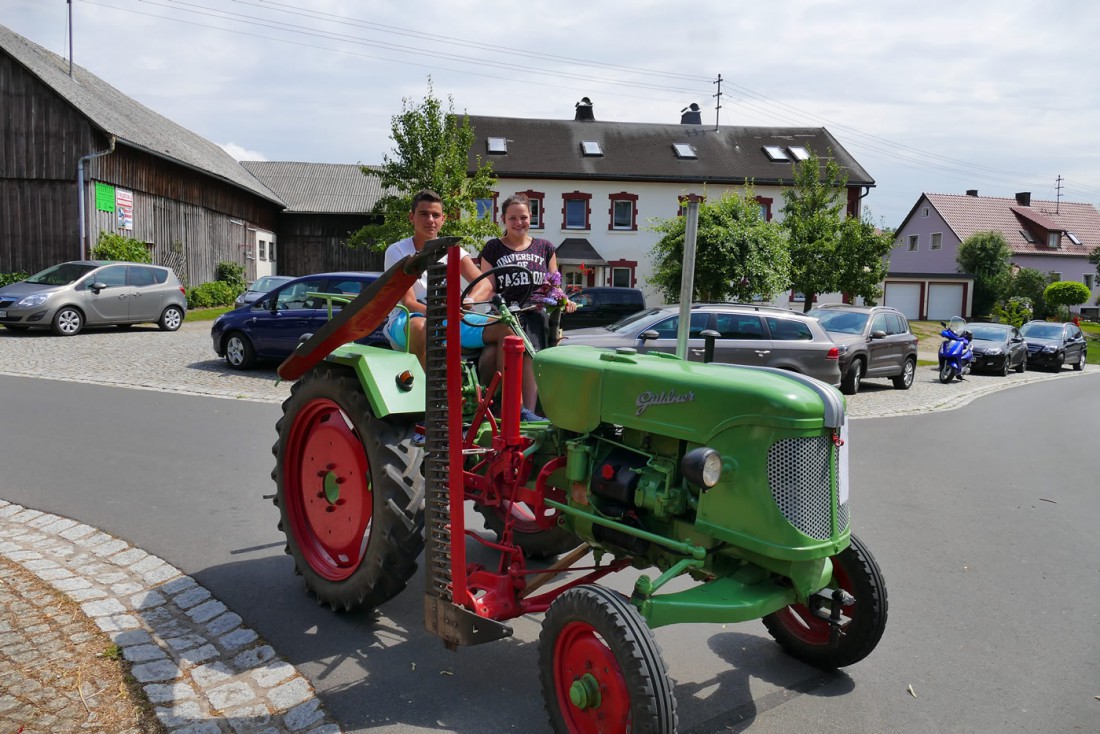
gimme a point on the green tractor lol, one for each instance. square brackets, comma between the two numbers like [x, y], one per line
[731, 478]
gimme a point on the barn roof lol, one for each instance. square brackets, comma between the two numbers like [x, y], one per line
[318, 187]
[131, 122]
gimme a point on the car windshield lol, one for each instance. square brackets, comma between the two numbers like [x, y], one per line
[62, 274]
[989, 332]
[267, 283]
[843, 322]
[1042, 331]
[625, 323]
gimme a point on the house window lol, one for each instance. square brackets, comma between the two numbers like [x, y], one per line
[765, 208]
[775, 153]
[799, 152]
[1054, 239]
[937, 240]
[487, 208]
[1054, 276]
[497, 146]
[913, 239]
[624, 211]
[924, 212]
[535, 197]
[575, 210]
[271, 251]
[620, 277]
[574, 278]
[1090, 280]
[263, 250]
[622, 273]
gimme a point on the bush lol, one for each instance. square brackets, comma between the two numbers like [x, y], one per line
[210, 295]
[9, 278]
[1017, 311]
[113, 246]
[233, 274]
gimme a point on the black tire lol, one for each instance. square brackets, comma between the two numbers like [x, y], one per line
[535, 543]
[356, 532]
[946, 373]
[594, 641]
[850, 384]
[239, 352]
[805, 636]
[1080, 363]
[171, 319]
[1007, 366]
[68, 321]
[1022, 367]
[904, 381]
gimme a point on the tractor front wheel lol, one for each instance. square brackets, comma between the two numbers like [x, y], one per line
[350, 488]
[600, 669]
[807, 636]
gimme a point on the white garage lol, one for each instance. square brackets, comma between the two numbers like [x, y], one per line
[905, 297]
[946, 300]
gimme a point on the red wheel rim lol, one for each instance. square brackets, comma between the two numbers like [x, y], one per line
[585, 668]
[805, 625]
[327, 490]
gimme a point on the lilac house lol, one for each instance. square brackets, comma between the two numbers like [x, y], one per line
[1049, 236]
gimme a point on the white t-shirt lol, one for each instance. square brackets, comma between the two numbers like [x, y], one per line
[404, 248]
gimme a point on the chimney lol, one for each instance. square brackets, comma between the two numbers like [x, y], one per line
[691, 115]
[1023, 198]
[971, 192]
[584, 110]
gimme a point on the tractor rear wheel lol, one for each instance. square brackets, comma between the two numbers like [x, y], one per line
[600, 669]
[528, 532]
[350, 490]
[807, 636]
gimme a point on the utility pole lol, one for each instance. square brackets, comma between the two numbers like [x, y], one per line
[70, 4]
[1058, 193]
[718, 107]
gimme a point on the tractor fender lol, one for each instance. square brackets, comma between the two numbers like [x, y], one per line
[380, 372]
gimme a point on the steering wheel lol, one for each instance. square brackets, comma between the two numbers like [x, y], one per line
[494, 304]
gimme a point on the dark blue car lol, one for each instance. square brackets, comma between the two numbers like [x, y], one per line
[270, 328]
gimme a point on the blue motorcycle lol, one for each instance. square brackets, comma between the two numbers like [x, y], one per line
[956, 354]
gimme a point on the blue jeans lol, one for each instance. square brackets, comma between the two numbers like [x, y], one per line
[471, 337]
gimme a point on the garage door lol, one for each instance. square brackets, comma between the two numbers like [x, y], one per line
[944, 301]
[905, 297]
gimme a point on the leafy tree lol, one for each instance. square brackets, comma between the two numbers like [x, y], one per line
[1016, 311]
[861, 260]
[812, 216]
[1066, 293]
[738, 255]
[233, 274]
[113, 246]
[986, 256]
[431, 146]
[1029, 284]
[1094, 258]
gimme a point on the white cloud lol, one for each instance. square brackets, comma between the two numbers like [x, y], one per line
[240, 153]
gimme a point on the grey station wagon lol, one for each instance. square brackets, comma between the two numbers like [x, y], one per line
[72, 295]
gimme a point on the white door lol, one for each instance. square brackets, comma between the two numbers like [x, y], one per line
[263, 250]
[905, 297]
[944, 301]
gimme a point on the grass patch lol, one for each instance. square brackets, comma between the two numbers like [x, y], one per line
[207, 314]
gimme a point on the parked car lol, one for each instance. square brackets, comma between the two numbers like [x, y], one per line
[601, 306]
[67, 297]
[271, 328]
[261, 287]
[1052, 345]
[875, 341]
[747, 334]
[997, 348]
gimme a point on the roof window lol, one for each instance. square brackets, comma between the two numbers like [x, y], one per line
[1027, 236]
[591, 148]
[1073, 238]
[684, 150]
[799, 153]
[497, 146]
[775, 153]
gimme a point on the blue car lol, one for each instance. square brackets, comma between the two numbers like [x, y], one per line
[271, 327]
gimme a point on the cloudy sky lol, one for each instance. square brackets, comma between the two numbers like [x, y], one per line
[939, 96]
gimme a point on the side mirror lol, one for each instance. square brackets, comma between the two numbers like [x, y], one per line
[943, 324]
[649, 334]
[878, 334]
[97, 286]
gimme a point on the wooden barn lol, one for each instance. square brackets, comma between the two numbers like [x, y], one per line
[78, 157]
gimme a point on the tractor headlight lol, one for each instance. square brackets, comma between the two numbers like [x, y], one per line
[702, 466]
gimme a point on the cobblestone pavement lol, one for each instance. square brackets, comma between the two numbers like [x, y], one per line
[200, 667]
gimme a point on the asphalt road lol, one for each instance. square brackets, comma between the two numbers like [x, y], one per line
[982, 519]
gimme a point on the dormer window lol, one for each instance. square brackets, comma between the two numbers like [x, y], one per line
[497, 146]
[775, 153]
[1054, 239]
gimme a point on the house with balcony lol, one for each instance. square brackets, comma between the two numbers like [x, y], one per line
[595, 185]
[1053, 237]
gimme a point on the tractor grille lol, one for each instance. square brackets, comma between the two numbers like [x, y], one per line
[798, 472]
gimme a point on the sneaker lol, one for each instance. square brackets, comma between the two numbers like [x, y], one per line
[530, 416]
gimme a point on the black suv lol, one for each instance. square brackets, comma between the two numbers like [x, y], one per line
[1052, 345]
[875, 341]
[601, 306]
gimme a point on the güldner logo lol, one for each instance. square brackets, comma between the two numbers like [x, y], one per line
[669, 397]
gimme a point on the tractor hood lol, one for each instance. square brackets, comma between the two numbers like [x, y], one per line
[582, 387]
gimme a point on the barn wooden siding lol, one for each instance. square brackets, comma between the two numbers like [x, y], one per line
[316, 243]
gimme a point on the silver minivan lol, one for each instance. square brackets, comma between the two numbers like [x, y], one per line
[67, 297]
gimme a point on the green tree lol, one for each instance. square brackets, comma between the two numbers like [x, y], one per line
[431, 146]
[987, 257]
[1029, 284]
[812, 216]
[113, 246]
[1094, 258]
[861, 259]
[738, 255]
[1065, 293]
